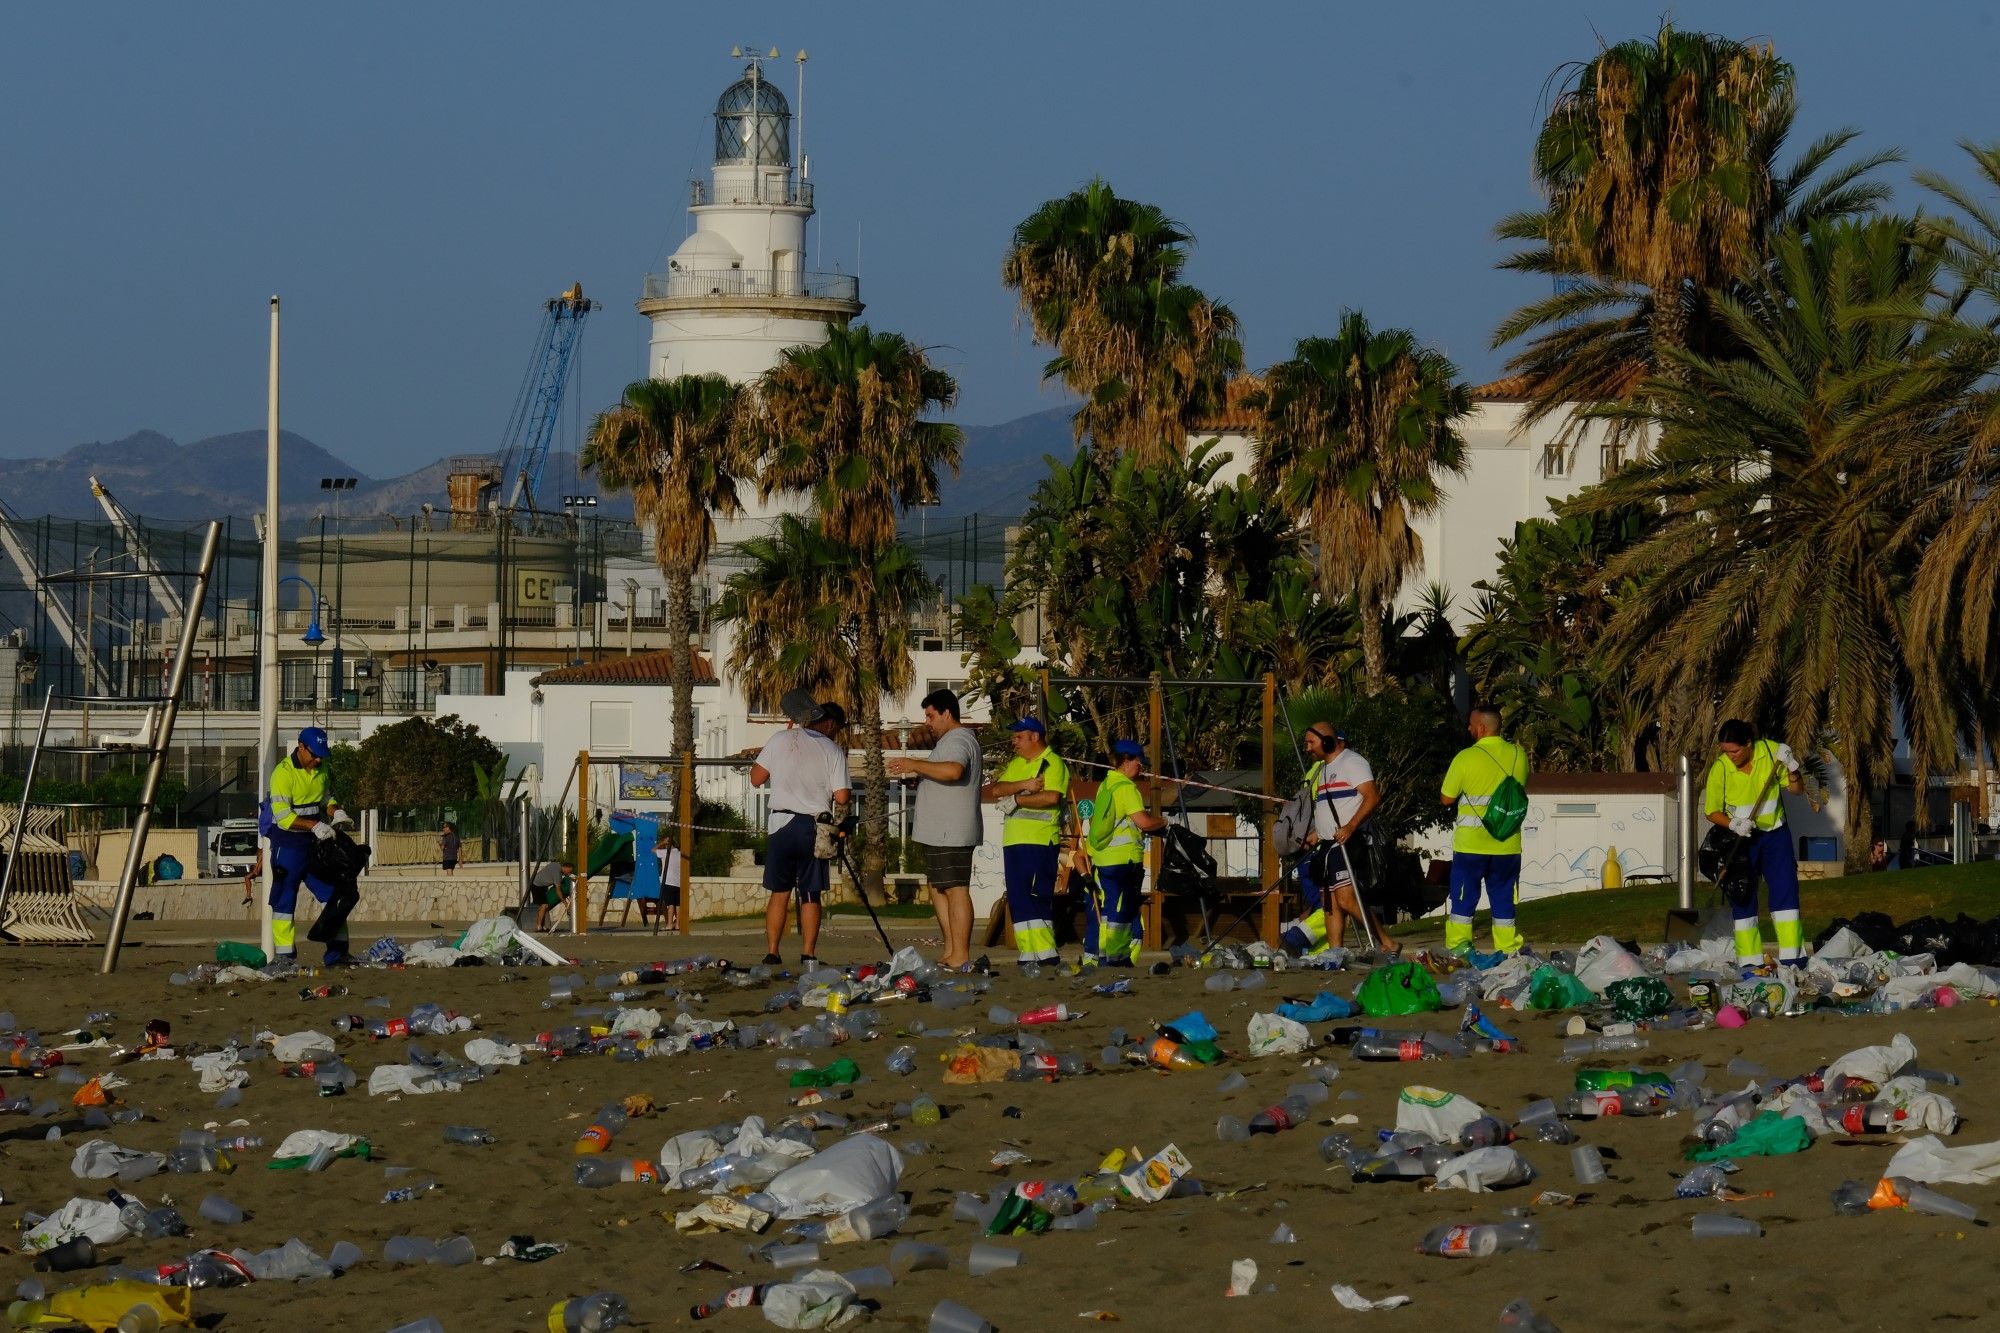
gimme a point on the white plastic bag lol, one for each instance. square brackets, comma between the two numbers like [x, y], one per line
[487, 1052]
[1603, 961]
[306, 1142]
[846, 1175]
[296, 1046]
[415, 1080]
[219, 1070]
[101, 1159]
[1274, 1034]
[684, 1153]
[1440, 1114]
[1485, 1169]
[821, 1298]
[1874, 1064]
[1926, 1160]
[95, 1218]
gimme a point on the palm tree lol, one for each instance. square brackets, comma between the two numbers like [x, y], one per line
[1777, 583]
[674, 444]
[1659, 161]
[795, 629]
[1356, 429]
[847, 421]
[1099, 279]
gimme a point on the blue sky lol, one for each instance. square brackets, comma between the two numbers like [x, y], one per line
[416, 179]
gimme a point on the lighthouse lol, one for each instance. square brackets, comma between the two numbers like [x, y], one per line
[739, 290]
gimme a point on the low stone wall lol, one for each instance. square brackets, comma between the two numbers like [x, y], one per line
[400, 897]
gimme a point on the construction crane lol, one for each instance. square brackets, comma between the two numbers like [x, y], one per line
[163, 591]
[524, 450]
[58, 614]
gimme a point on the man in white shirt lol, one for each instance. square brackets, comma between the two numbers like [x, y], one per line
[1344, 796]
[807, 773]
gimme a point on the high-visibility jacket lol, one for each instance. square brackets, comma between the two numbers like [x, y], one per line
[298, 793]
[1029, 827]
[1476, 772]
[1114, 838]
[1752, 795]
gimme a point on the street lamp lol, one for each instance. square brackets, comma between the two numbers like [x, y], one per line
[313, 637]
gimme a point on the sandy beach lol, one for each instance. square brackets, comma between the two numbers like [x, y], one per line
[1622, 1253]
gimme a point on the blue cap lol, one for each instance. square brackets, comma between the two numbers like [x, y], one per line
[1033, 724]
[314, 739]
[1128, 749]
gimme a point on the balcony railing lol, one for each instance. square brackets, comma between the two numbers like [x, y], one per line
[772, 192]
[753, 283]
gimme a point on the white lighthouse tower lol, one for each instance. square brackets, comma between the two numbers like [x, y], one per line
[738, 291]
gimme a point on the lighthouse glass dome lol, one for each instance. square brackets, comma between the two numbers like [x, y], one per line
[753, 122]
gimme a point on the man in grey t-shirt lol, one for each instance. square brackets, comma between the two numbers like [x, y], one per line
[948, 820]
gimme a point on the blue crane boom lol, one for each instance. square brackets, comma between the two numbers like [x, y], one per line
[524, 449]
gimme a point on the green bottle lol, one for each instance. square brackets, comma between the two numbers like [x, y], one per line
[1603, 1080]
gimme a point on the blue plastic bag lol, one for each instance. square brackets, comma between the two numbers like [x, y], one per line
[1323, 1006]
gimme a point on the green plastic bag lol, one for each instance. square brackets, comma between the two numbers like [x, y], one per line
[1398, 988]
[1637, 998]
[235, 951]
[1552, 988]
[840, 1071]
[1769, 1135]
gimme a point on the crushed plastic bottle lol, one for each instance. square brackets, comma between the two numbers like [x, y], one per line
[611, 1118]
[1288, 1113]
[598, 1172]
[595, 1313]
[1473, 1240]
[1423, 1046]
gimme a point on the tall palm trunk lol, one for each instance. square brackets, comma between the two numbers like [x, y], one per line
[680, 656]
[1374, 653]
[874, 774]
[1670, 331]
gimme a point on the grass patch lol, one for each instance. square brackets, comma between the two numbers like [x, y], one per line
[1641, 913]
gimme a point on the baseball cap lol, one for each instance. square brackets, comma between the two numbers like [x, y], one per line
[1128, 749]
[1033, 724]
[314, 739]
[798, 705]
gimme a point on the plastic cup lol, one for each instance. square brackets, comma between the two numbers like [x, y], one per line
[141, 1318]
[1725, 1226]
[1229, 1129]
[1545, 1109]
[913, 1256]
[344, 1255]
[793, 1256]
[1586, 1163]
[408, 1250]
[451, 1253]
[990, 1258]
[221, 1211]
[951, 1317]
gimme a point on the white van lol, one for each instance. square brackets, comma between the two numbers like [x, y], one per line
[229, 850]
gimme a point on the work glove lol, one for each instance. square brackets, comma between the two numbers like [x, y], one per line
[323, 831]
[341, 817]
[1741, 826]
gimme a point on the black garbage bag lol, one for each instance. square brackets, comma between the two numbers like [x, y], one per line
[1926, 934]
[337, 862]
[1988, 952]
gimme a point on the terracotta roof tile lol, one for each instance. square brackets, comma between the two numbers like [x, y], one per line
[638, 669]
[1513, 389]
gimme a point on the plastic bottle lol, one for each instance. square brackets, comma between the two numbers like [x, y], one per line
[1472, 1240]
[611, 1118]
[1048, 1013]
[589, 1314]
[597, 1172]
[1292, 1111]
[1921, 1199]
[1423, 1046]
[1705, 1181]
[1591, 1105]
[903, 1061]
[1597, 1080]
[189, 1161]
[1407, 1164]
[1485, 1132]
[77, 1252]
[1583, 1048]
[1870, 1118]
[881, 1217]
[409, 1192]
[1520, 1316]
[1724, 1226]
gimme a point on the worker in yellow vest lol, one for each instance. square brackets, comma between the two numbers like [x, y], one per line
[1115, 845]
[1489, 773]
[1032, 789]
[1742, 796]
[298, 809]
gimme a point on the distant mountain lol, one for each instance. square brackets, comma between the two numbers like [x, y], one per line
[156, 478]
[1003, 464]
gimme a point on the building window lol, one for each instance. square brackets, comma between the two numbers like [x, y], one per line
[610, 725]
[295, 683]
[468, 678]
[1587, 809]
[1555, 461]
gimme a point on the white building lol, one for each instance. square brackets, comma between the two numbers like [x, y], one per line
[1512, 473]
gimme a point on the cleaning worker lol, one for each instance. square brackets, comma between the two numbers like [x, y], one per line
[1742, 796]
[1032, 790]
[1486, 786]
[298, 809]
[1115, 845]
[1344, 796]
